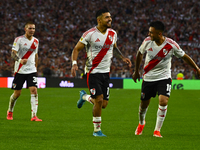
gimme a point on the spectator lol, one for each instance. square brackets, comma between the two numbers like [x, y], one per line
[60, 24]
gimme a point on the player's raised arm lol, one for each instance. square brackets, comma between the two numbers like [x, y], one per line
[136, 74]
[119, 55]
[190, 61]
[79, 46]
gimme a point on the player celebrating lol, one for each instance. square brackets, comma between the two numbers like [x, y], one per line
[25, 54]
[157, 73]
[100, 44]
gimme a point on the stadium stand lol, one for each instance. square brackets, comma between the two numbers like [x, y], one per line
[60, 24]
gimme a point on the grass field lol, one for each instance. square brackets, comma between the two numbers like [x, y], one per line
[65, 127]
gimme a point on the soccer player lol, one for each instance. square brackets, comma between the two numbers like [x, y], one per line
[25, 54]
[100, 43]
[157, 73]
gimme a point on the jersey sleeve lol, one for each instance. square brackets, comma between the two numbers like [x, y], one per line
[16, 44]
[142, 47]
[85, 38]
[178, 52]
[115, 37]
[36, 51]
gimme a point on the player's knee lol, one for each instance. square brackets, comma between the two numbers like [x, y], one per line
[105, 103]
[17, 93]
[163, 100]
[33, 90]
[99, 100]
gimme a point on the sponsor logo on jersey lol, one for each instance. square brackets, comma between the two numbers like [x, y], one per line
[93, 91]
[81, 39]
[14, 44]
[104, 46]
[97, 40]
[25, 44]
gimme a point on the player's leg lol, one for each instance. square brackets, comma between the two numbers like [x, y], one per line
[105, 103]
[17, 84]
[12, 102]
[95, 83]
[142, 114]
[97, 109]
[83, 98]
[106, 90]
[164, 93]
[161, 114]
[32, 85]
[143, 110]
[148, 91]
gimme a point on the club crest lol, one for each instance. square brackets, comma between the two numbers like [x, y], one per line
[93, 91]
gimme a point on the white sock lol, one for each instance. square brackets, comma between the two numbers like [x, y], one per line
[97, 123]
[142, 114]
[34, 104]
[12, 103]
[87, 98]
[161, 113]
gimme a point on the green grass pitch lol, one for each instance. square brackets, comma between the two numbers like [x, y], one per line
[65, 127]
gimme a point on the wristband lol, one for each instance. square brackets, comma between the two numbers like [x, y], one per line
[74, 62]
[19, 60]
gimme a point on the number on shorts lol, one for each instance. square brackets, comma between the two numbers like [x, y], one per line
[168, 87]
[35, 80]
[108, 92]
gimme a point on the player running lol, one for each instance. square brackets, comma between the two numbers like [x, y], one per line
[25, 54]
[100, 43]
[157, 73]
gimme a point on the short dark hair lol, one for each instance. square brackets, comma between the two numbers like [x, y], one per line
[29, 22]
[101, 11]
[158, 25]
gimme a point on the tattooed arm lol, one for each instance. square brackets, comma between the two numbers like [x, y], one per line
[117, 52]
[119, 55]
[14, 55]
[16, 58]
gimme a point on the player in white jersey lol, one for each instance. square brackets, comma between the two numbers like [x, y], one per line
[157, 73]
[100, 44]
[25, 54]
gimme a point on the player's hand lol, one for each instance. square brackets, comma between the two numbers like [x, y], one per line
[23, 61]
[74, 69]
[127, 61]
[135, 76]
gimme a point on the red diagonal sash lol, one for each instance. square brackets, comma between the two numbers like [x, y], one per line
[160, 55]
[28, 53]
[102, 52]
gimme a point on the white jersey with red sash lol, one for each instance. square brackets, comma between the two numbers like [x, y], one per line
[158, 58]
[99, 48]
[26, 49]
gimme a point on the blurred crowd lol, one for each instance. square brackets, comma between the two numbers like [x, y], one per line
[60, 24]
